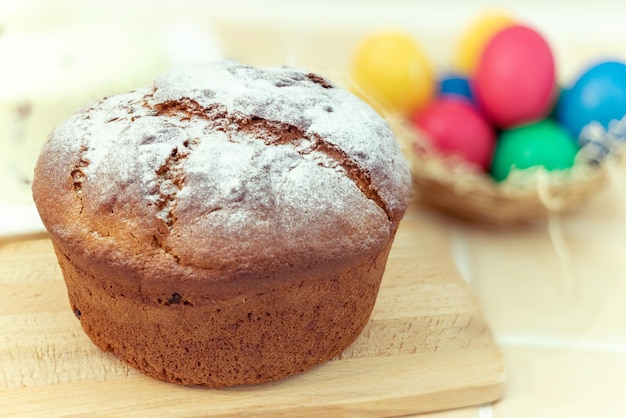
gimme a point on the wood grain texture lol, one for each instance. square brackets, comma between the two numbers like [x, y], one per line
[425, 348]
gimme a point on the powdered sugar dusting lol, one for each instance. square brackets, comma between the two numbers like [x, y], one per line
[289, 96]
[197, 178]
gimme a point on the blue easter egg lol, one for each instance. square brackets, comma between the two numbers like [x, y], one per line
[455, 85]
[599, 95]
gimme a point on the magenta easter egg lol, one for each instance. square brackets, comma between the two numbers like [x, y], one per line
[455, 127]
[516, 77]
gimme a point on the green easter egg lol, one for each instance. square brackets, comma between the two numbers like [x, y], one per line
[543, 143]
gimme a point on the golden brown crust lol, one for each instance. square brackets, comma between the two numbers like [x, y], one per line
[206, 243]
[254, 338]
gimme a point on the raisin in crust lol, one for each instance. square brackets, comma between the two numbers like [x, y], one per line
[229, 225]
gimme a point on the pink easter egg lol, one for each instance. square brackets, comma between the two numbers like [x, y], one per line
[455, 127]
[515, 81]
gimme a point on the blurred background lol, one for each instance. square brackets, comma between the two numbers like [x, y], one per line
[57, 56]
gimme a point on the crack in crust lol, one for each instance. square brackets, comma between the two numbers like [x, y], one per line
[277, 133]
[319, 80]
[78, 175]
[171, 180]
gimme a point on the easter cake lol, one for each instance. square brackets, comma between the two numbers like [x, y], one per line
[228, 225]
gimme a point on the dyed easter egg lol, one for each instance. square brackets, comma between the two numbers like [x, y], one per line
[392, 70]
[599, 94]
[515, 81]
[454, 85]
[542, 143]
[475, 37]
[455, 127]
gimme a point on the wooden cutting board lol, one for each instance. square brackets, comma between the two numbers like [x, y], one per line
[426, 348]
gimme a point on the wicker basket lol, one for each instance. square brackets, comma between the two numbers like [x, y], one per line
[527, 196]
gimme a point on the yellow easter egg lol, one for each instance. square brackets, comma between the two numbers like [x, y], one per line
[391, 72]
[474, 39]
